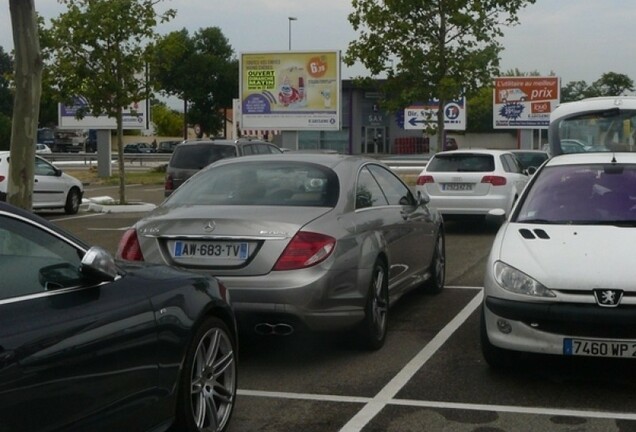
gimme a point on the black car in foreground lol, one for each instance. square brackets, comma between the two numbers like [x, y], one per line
[91, 344]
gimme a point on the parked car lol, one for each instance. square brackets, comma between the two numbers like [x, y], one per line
[560, 275]
[140, 147]
[193, 155]
[42, 149]
[471, 182]
[304, 241]
[167, 146]
[601, 124]
[530, 160]
[52, 188]
[90, 344]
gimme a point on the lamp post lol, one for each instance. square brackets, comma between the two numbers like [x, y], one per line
[290, 21]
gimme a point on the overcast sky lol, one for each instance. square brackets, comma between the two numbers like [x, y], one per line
[575, 39]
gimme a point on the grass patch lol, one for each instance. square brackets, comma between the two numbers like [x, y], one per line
[155, 176]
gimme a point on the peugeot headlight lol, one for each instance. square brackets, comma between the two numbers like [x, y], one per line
[511, 279]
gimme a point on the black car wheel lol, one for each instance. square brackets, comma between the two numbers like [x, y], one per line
[207, 390]
[73, 201]
[435, 284]
[374, 327]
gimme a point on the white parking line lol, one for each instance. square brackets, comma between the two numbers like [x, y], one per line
[384, 397]
[75, 217]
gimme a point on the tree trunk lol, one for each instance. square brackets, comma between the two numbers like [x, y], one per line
[120, 156]
[441, 133]
[26, 105]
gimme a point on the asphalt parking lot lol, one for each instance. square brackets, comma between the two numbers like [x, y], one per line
[430, 375]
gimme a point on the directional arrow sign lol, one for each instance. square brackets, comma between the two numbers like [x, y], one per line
[417, 118]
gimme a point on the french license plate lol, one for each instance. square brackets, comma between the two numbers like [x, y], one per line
[598, 348]
[213, 249]
[458, 186]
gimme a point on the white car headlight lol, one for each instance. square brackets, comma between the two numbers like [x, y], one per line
[511, 279]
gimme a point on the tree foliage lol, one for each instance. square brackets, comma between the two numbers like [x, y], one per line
[6, 72]
[430, 49]
[6, 98]
[167, 122]
[201, 70]
[98, 51]
[609, 84]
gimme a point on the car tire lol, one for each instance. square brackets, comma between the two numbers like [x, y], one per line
[435, 284]
[497, 358]
[373, 329]
[73, 201]
[207, 387]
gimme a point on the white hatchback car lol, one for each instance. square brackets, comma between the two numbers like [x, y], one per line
[52, 188]
[560, 275]
[472, 182]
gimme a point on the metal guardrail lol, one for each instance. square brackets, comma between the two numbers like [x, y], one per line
[400, 164]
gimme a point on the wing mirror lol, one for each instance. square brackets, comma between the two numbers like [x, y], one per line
[100, 264]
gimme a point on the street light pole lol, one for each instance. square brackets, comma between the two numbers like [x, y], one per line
[290, 21]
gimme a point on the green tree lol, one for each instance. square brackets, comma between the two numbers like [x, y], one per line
[611, 84]
[6, 72]
[167, 122]
[6, 98]
[430, 49]
[99, 52]
[574, 90]
[202, 70]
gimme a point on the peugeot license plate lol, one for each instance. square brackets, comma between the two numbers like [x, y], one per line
[599, 348]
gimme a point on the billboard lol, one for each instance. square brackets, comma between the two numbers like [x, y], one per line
[290, 90]
[135, 116]
[524, 102]
[418, 116]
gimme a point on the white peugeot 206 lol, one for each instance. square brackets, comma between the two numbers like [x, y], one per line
[560, 275]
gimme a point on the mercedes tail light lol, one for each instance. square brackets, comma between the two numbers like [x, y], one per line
[129, 248]
[423, 179]
[494, 180]
[305, 250]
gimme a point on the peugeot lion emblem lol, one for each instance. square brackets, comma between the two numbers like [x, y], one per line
[608, 297]
[209, 227]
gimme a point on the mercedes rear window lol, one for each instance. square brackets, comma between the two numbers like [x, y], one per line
[270, 183]
[461, 163]
[200, 155]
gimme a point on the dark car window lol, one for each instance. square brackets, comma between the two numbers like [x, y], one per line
[396, 192]
[510, 164]
[582, 193]
[527, 160]
[30, 258]
[198, 156]
[465, 162]
[261, 183]
[368, 191]
[43, 168]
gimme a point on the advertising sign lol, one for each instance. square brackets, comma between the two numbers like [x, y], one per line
[135, 116]
[524, 102]
[420, 115]
[290, 90]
